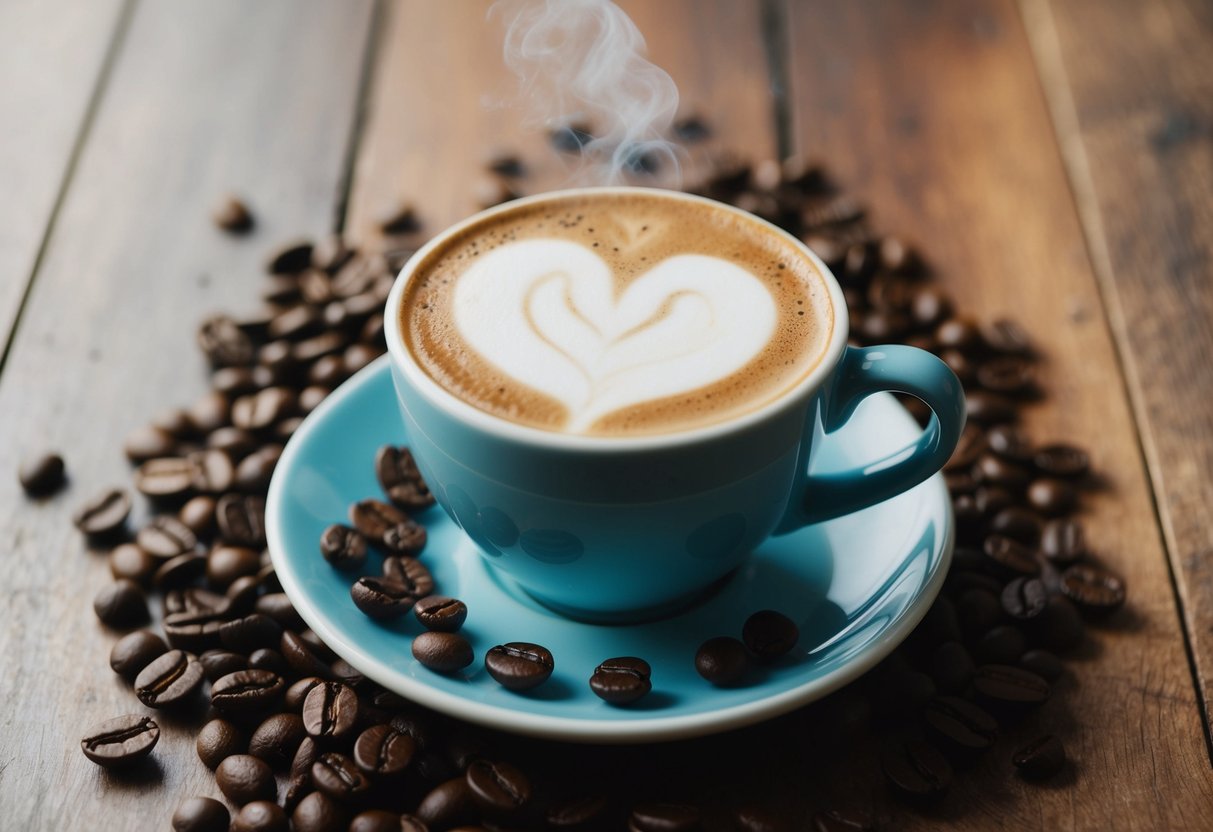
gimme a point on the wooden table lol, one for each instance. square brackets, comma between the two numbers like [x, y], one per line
[1052, 157]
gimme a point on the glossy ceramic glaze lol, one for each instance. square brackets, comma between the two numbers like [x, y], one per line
[855, 585]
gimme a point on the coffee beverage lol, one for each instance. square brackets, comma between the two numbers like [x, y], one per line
[617, 314]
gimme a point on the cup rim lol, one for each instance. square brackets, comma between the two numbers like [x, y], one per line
[484, 422]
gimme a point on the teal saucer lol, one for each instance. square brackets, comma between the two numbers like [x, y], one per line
[856, 586]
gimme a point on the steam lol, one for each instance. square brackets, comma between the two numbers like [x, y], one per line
[583, 62]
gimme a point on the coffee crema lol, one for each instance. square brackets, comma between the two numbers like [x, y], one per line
[616, 314]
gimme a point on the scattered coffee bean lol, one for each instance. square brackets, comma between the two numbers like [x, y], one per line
[126, 560]
[622, 680]
[166, 537]
[121, 604]
[41, 474]
[104, 514]
[1096, 592]
[343, 547]
[498, 787]
[769, 634]
[217, 740]
[277, 739]
[382, 750]
[224, 564]
[219, 663]
[1041, 758]
[722, 660]
[1063, 541]
[168, 680]
[261, 816]
[241, 520]
[243, 778]
[246, 691]
[1003, 685]
[837, 820]
[382, 598]
[330, 710]
[916, 770]
[411, 572]
[1063, 461]
[198, 514]
[664, 817]
[178, 572]
[233, 216]
[960, 726]
[135, 651]
[1009, 558]
[519, 665]
[317, 812]
[1024, 598]
[1052, 497]
[1001, 645]
[440, 614]
[201, 814]
[337, 776]
[121, 741]
[442, 652]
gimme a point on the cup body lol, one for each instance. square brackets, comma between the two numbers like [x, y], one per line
[606, 528]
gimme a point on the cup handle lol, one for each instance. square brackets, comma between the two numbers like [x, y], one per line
[862, 372]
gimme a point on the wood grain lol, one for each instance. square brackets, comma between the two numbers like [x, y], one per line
[428, 132]
[205, 96]
[1131, 88]
[51, 56]
[932, 113]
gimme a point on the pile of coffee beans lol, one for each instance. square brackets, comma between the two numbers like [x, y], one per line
[300, 739]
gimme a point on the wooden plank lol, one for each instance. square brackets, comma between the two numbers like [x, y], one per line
[932, 113]
[427, 136]
[205, 96]
[51, 57]
[1131, 88]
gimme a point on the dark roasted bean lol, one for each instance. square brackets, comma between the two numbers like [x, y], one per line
[448, 804]
[722, 660]
[317, 812]
[382, 598]
[127, 560]
[198, 514]
[1060, 627]
[1043, 663]
[244, 778]
[411, 572]
[440, 614]
[1024, 598]
[255, 470]
[442, 652]
[837, 820]
[1093, 590]
[338, 777]
[211, 412]
[261, 816]
[382, 750]
[622, 680]
[988, 408]
[168, 680]
[219, 663]
[992, 469]
[166, 537]
[519, 665]
[244, 635]
[343, 547]
[1010, 443]
[260, 410]
[224, 564]
[1001, 645]
[769, 634]
[1004, 685]
[121, 741]
[165, 478]
[241, 520]
[1064, 461]
[41, 474]
[577, 812]
[135, 651]
[277, 739]
[224, 343]
[1019, 524]
[104, 514]
[1052, 497]
[330, 710]
[178, 572]
[201, 814]
[246, 691]
[278, 607]
[1041, 758]
[916, 770]
[498, 787]
[1011, 375]
[1009, 558]
[121, 604]
[969, 449]
[959, 725]
[290, 258]
[266, 658]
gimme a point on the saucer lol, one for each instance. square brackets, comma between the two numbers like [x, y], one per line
[856, 586]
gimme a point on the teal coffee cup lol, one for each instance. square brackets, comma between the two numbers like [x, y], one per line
[620, 528]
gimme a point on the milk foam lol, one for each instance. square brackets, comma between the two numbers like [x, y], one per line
[546, 313]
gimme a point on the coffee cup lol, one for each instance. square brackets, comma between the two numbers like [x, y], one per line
[617, 449]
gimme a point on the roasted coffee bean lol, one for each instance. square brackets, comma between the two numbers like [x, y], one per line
[577, 812]
[622, 680]
[298, 691]
[758, 819]
[311, 397]
[1062, 461]
[969, 449]
[165, 478]
[338, 777]
[448, 804]
[224, 564]
[1002, 685]
[960, 726]
[1063, 541]
[219, 663]
[378, 820]
[255, 470]
[244, 635]
[519, 665]
[241, 520]
[958, 333]
[166, 537]
[201, 814]
[198, 514]
[209, 413]
[916, 770]
[224, 343]
[442, 652]
[769, 634]
[664, 817]
[1001, 645]
[1006, 336]
[992, 499]
[305, 756]
[382, 598]
[175, 422]
[988, 408]
[328, 372]
[218, 740]
[407, 538]
[929, 306]
[837, 820]
[278, 607]
[356, 357]
[330, 710]
[441, 614]
[1043, 663]
[266, 658]
[317, 812]
[260, 410]
[961, 364]
[1041, 758]
[1060, 627]
[1010, 443]
[410, 572]
[41, 474]
[1010, 374]
[121, 604]
[246, 691]
[104, 514]
[121, 741]
[299, 656]
[1019, 524]
[991, 469]
[1093, 590]
[374, 518]
[722, 660]
[261, 816]
[326, 344]
[411, 496]
[244, 778]
[178, 572]
[290, 258]
[168, 680]
[135, 651]
[233, 381]
[498, 787]
[1024, 598]
[1009, 558]
[952, 667]
[1052, 497]
[128, 561]
[331, 253]
[382, 750]
[343, 547]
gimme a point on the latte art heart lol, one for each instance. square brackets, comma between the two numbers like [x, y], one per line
[548, 313]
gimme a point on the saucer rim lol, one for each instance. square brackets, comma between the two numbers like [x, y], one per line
[615, 731]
